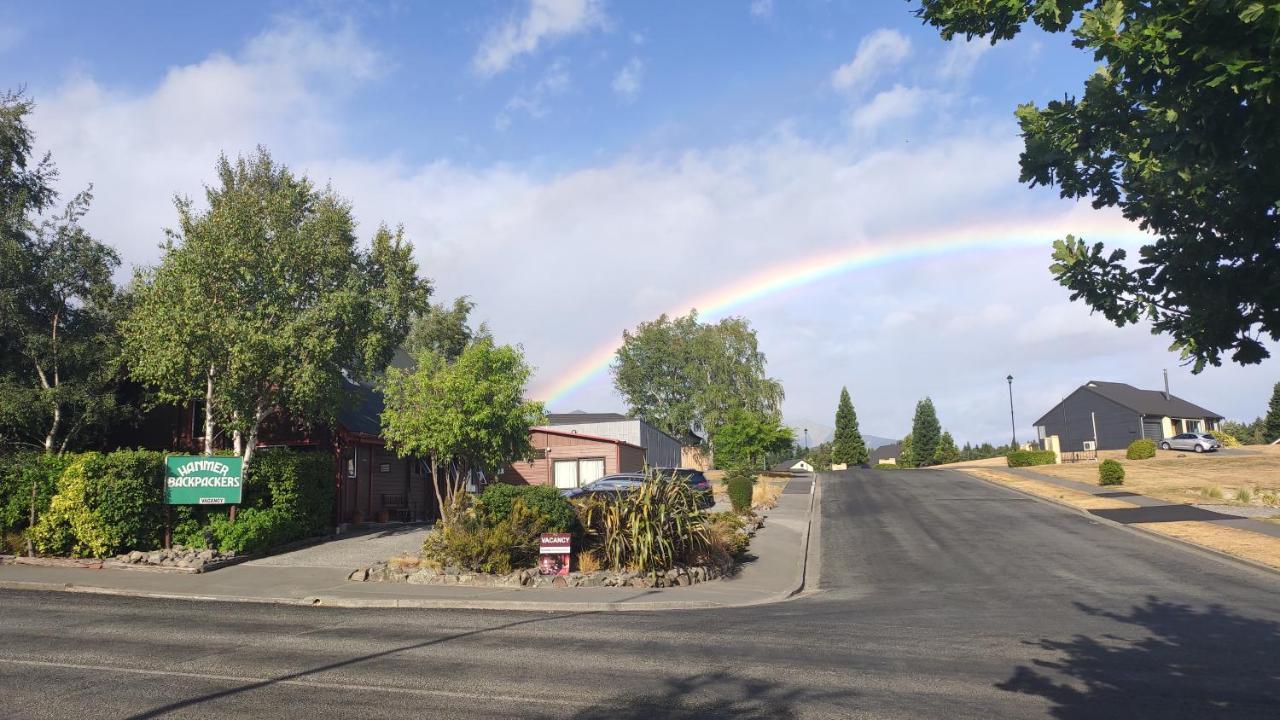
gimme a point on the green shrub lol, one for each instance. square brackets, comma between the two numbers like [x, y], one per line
[1027, 458]
[740, 483]
[1227, 440]
[297, 483]
[887, 466]
[1143, 449]
[17, 473]
[554, 510]
[1244, 495]
[1110, 472]
[105, 504]
[474, 542]
[255, 530]
[649, 529]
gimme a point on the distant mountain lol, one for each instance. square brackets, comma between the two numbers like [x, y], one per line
[821, 432]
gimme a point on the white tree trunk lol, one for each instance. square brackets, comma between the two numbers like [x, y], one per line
[208, 412]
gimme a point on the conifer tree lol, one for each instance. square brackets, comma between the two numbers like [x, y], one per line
[1271, 423]
[926, 433]
[848, 447]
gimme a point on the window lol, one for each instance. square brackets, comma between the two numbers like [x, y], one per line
[576, 473]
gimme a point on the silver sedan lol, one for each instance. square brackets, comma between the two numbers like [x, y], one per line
[1196, 442]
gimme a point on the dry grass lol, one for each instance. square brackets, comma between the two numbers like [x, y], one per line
[1185, 477]
[985, 462]
[405, 562]
[1074, 498]
[588, 561]
[764, 496]
[1234, 541]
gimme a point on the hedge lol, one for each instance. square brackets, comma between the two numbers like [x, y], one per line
[740, 485]
[1026, 458]
[1143, 449]
[1110, 472]
[17, 473]
[544, 501]
[101, 504]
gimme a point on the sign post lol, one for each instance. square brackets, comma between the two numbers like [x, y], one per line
[553, 554]
[201, 480]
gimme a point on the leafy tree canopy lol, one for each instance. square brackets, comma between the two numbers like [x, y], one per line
[467, 415]
[58, 345]
[682, 375]
[264, 304]
[749, 438]
[1179, 128]
[445, 330]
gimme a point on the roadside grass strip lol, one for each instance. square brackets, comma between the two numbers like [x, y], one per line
[1074, 498]
[1256, 547]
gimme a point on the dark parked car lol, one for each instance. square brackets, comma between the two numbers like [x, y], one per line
[620, 483]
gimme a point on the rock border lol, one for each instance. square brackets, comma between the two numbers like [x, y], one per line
[680, 576]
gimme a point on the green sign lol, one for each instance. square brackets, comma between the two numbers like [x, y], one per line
[202, 480]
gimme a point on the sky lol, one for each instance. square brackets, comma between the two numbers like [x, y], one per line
[579, 166]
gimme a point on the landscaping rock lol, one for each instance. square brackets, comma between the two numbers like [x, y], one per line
[359, 575]
[136, 556]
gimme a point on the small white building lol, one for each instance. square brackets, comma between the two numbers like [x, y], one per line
[660, 449]
[800, 465]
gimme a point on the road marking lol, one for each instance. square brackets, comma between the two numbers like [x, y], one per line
[194, 674]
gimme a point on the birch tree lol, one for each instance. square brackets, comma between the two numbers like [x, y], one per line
[264, 306]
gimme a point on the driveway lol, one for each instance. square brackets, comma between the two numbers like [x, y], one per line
[351, 552]
[942, 597]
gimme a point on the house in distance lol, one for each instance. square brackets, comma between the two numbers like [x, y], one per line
[1111, 415]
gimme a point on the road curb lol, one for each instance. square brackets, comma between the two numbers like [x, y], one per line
[797, 590]
[1213, 553]
[809, 576]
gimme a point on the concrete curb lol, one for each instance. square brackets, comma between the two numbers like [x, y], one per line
[1180, 543]
[797, 590]
[809, 576]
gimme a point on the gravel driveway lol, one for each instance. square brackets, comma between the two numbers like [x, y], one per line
[352, 552]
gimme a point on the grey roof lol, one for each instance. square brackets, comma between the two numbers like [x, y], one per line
[578, 417]
[362, 411]
[1145, 402]
[884, 452]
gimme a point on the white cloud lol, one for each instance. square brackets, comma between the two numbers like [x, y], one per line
[880, 52]
[626, 84]
[544, 21]
[962, 58]
[533, 101]
[543, 255]
[894, 105]
[761, 9]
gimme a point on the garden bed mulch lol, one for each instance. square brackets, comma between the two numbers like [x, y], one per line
[400, 570]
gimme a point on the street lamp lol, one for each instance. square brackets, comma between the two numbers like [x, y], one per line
[806, 441]
[1012, 425]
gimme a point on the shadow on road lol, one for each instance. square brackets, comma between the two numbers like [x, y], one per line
[210, 697]
[1181, 662]
[716, 695]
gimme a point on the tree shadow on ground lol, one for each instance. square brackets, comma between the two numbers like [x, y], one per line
[712, 695]
[1179, 662]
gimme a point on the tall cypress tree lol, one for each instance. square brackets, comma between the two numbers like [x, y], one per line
[1271, 423]
[847, 446]
[926, 433]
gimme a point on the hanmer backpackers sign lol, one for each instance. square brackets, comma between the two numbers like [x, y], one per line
[202, 480]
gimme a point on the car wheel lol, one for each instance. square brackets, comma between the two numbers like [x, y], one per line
[1165, 446]
[1199, 448]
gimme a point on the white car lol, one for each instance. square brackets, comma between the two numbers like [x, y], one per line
[1198, 442]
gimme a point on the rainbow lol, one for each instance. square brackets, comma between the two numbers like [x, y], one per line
[719, 302]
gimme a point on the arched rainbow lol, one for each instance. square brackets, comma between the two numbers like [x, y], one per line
[718, 302]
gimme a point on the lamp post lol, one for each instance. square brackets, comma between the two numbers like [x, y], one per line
[1012, 425]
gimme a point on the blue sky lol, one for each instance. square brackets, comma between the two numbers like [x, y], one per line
[578, 166]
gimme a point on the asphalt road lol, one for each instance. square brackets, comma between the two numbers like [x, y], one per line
[941, 596]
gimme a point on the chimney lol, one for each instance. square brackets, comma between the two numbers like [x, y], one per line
[1166, 384]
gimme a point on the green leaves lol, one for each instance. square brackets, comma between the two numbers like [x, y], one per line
[267, 296]
[1179, 130]
[681, 375]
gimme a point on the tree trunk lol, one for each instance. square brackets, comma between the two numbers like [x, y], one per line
[53, 428]
[435, 485]
[208, 412]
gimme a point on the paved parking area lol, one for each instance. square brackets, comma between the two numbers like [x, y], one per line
[352, 552]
